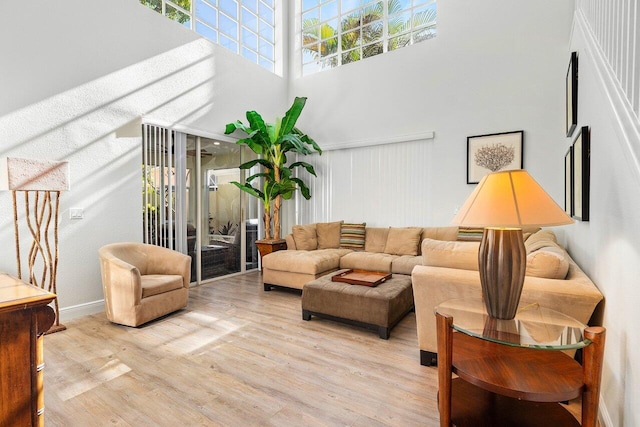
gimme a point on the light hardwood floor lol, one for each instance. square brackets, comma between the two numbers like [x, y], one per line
[237, 356]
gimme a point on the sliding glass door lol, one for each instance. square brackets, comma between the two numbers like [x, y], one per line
[210, 221]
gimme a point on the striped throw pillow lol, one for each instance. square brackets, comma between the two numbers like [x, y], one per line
[470, 234]
[352, 236]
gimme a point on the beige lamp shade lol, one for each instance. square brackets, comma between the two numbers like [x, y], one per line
[33, 175]
[510, 199]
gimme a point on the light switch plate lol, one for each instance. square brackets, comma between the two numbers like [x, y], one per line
[76, 213]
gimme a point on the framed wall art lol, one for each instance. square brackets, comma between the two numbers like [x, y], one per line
[568, 182]
[581, 171]
[572, 94]
[493, 152]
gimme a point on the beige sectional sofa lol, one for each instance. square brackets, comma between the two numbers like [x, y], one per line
[315, 250]
[441, 265]
[449, 270]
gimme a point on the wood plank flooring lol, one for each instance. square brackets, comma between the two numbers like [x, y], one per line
[236, 356]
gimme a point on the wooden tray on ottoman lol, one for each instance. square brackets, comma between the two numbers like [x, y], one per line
[362, 277]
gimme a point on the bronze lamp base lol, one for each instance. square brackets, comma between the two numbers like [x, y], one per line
[502, 263]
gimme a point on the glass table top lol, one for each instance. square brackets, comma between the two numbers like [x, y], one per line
[533, 326]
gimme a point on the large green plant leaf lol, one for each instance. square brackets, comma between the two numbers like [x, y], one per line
[251, 163]
[305, 165]
[293, 142]
[249, 189]
[304, 190]
[257, 175]
[291, 116]
[307, 140]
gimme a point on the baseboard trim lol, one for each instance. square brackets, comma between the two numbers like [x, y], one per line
[604, 417]
[75, 311]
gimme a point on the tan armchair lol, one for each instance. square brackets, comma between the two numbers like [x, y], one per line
[142, 282]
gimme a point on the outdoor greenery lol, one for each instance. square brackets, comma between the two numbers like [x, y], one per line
[170, 11]
[272, 142]
[362, 33]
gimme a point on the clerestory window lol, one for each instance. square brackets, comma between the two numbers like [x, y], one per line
[246, 27]
[337, 32]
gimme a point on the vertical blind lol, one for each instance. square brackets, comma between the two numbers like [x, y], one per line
[164, 187]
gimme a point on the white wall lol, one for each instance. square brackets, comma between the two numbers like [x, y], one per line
[607, 247]
[71, 75]
[495, 66]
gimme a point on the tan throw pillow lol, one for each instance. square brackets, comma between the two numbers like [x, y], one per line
[352, 236]
[403, 241]
[328, 234]
[450, 254]
[549, 262]
[305, 237]
[376, 239]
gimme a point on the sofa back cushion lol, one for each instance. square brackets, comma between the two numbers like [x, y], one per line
[450, 254]
[376, 239]
[549, 262]
[403, 241]
[352, 236]
[328, 234]
[540, 239]
[305, 237]
[545, 258]
[440, 233]
[291, 243]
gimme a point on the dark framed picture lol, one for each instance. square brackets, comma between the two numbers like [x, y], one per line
[572, 94]
[493, 152]
[581, 171]
[568, 182]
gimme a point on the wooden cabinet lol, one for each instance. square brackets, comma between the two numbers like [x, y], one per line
[24, 318]
[514, 372]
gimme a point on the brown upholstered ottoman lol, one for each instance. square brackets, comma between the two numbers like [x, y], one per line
[379, 308]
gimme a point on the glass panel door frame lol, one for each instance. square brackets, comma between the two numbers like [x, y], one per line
[179, 182]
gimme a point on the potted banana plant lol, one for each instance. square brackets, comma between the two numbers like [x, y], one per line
[272, 142]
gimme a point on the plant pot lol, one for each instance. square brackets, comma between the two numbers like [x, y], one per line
[266, 246]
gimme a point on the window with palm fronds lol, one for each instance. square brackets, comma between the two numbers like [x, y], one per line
[337, 32]
[245, 27]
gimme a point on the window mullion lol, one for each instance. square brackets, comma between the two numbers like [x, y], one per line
[339, 29]
[385, 27]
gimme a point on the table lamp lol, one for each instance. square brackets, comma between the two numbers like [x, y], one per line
[503, 203]
[41, 182]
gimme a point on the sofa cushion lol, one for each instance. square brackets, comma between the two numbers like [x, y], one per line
[440, 233]
[291, 243]
[449, 233]
[328, 234]
[352, 236]
[154, 284]
[549, 262]
[376, 239]
[403, 241]
[367, 261]
[450, 254]
[404, 264]
[305, 237]
[540, 239]
[306, 262]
